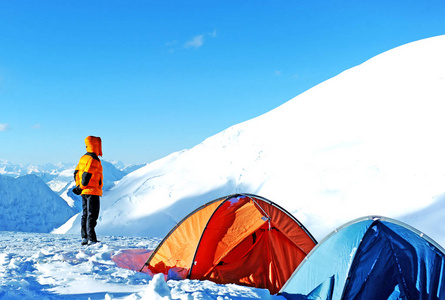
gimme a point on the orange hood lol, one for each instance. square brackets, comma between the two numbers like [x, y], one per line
[94, 144]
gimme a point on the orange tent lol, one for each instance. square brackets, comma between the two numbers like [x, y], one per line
[243, 239]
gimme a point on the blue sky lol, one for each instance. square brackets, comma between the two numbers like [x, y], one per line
[155, 77]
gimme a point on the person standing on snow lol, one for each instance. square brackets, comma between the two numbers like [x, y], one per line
[89, 181]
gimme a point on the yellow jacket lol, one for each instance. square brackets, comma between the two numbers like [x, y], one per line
[89, 174]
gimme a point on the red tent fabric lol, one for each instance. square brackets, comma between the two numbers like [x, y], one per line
[243, 239]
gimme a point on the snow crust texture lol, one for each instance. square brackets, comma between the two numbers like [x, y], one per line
[45, 266]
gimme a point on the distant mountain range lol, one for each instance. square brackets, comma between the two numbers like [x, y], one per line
[38, 198]
[46, 172]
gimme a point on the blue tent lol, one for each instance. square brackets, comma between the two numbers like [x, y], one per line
[371, 258]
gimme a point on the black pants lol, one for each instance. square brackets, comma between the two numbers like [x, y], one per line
[90, 213]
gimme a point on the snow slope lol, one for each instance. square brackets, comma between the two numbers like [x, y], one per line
[28, 204]
[368, 141]
[365, 142]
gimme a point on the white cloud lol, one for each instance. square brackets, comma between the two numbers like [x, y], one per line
[4, 126]
[37, 126]
[277, 73]
[195, 42]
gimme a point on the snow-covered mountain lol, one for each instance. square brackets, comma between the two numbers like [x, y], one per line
[47, 171]
[59, 177]
[28, 204]
[368, 141]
